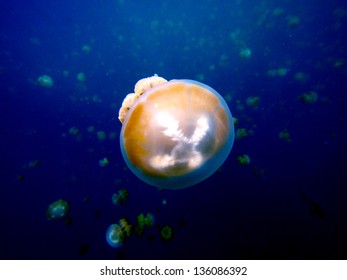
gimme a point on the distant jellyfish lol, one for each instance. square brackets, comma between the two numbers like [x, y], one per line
[126, 227]
[166, 233]
[282, 71]
[142, 222]
[81, 77]
[241, 133]
[45, 81]
[293, 21]
[103, 162]
[278, 11]
[121, 197]
[145, 221]
[91, 129]
[175, 133]
[101, 135]
[115, 236]
[245, 53]
[244, 159]
[285, 135]
[253, 101]
[309, 97]
[74, 131]
[86, 48]
[58, 209]
[301, 77]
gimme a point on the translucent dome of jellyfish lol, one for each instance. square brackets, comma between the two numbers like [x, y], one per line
[175, 133]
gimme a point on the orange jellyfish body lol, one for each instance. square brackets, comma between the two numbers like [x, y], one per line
[177, 134]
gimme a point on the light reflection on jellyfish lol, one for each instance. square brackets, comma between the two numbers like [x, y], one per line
[175, 134]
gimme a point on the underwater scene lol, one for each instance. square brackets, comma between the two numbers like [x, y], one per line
[173, 129]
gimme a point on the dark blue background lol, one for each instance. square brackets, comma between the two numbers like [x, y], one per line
[295, 209]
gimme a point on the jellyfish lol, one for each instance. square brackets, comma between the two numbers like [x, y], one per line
[115, 236]
[245, 53]
[81, 77]
[86, 48]
[253, 101]
[175, 133]
[293, 21]
[121, 197]
[58, 209]
[126, 227]
[285, 135]
[244, 159]
[166, 233]
[103, 162]
[45, 81]
[142, 222]
[309, 97]
[101, 135]
[241, 133]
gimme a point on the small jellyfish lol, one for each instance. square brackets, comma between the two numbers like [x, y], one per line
[253, 101]
[45, 81]
[142, 222]
[101, 135]
[241, 133]
[244, 159]
[115, 236]
[309, 97]
[74, 131]
[245, 53]
[166, 233]
[58, 209]
[282, 71]
[301, 77]
[293, 21]
[81, 77]
[126, 227]
[145, 221]
[285, 135]
[121, 197]
[103, 162]
[278, 11]
[86, 48]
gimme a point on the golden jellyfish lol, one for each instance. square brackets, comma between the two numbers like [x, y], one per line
[175, 133]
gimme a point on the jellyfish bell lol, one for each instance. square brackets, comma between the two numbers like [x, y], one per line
[115, 236]
[176, 134]
[58, 209]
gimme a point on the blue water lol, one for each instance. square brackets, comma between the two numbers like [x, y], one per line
[288, 203]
